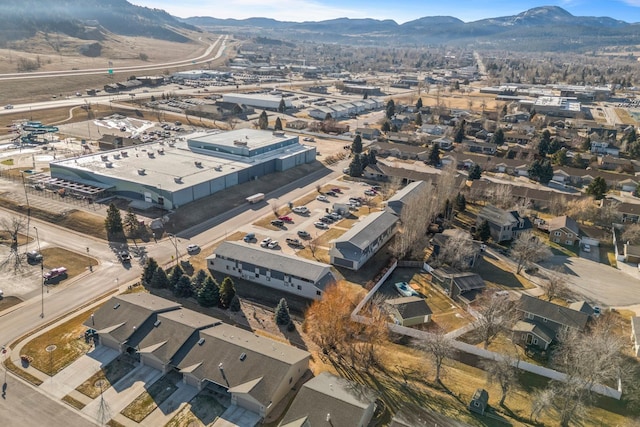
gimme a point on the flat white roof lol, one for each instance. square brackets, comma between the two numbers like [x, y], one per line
[250, 138]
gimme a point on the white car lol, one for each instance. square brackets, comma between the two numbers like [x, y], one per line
[321, 225]
[265, 242]
[322, 198]
[301, 209]
[273, 244]
[587, 248]
[192, 249]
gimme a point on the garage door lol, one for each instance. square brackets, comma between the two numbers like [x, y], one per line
[192, 381]
[247, 402]
[149, 360]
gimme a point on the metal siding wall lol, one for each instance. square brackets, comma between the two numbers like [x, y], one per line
[183, 197]
[243, 176]
[201, 190]
[217, 184]
[231, 180]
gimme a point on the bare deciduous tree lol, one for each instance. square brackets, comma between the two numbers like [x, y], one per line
[631, 234]
[556, 285]
[415, 217]
[504, 372]
[439, 347]
[500, 196]
[527, 249]
[494, 314]
[457, 250]
[13, 226]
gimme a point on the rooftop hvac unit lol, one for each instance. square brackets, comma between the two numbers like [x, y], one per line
[201, 341]
[161, 151]
[124, 154]
[108, 164]
[178, 180]
[151, 155]
[104, 157]
[116, 156]
[218, 168]
[198, 164]
[141, 171]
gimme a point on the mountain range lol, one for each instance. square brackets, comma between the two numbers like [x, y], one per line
[540, 28]
[547, 28]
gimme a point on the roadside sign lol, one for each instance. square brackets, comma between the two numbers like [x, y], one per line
[110, 70]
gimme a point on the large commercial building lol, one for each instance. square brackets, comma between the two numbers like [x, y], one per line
[256, 100]
[174, 174]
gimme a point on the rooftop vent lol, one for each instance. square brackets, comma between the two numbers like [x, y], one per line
[156, 323]
[198, 164]
[104, 157]
[201, 341]
[161, 151]
[108, 164]
[178, 179]
[124, 154]
[243, 356]
[151, 155]
[239, 142]
[218, 168]
[116, 156]
[141, 171]
[115, 307]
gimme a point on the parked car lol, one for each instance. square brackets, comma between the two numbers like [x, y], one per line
[587, 247]
[336, 190]
[322, 198]
[125, 257]
[301, 209]
[597, 311]
[376, 188]
[321, 225]
[34, 256]
[277, 222]
[273, 244]
[59, 272]
[369, 193]
[335, 216]
[404, 289]
[304, 234]
[250, 237]
[296, 243]
[326, 220]
[193, 249]
[265, 242]
[286, 219]
[331, 193]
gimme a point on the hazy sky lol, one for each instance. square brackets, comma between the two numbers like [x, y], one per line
[398, 10]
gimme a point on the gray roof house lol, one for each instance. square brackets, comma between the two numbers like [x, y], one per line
[159, 338]
[276, 270]
[404, 196]
[541, 321]
[355, 247]
[456, 283]
[117, 321]
[504, 225]
[257, 371]
[328, 400]
[409, 311]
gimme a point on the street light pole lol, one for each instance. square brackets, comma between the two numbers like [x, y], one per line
[41, 271]
[174, 240]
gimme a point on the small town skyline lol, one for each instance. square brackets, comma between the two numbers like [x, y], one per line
[399, 11]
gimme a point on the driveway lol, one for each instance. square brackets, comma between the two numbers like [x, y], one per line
[599, 283]
[236, 416]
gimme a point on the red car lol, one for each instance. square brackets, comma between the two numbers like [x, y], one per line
[286, 219]
[336, 190]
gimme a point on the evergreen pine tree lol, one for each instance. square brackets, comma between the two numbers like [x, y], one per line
[278, 124]
[148, 271]
[209, 293]
[227, 292]
[418, 119]
[434, 154]
[198, 280]
[176, 273]
[282, 106]
[372, 157]
[459, 136]
[356, 147]
[160, 279]
[113, 221]
[419, 104]
[355, 167]
[182, 288]
[391, 108]
[131, 223]
[386, 126]
[483, 232]
[234, 305]
[475, 172]
[282, 313]
[498, 137]
[461, 202]
[263, 120]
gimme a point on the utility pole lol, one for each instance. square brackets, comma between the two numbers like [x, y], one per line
[173, 239]
[41, 272]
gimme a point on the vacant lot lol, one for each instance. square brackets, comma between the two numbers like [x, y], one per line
[74, 262]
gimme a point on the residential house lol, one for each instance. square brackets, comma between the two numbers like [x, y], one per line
[277, 270]
[629, 185]
[409, 311]
[444, 143]
[355, 247]
[521, 170]
[542, 321]
[160, 337]
[328, 400]
[479, 401]
[564, 230]
[608, 162]
[368, 133]
[374, 172]
[401, 137]
[456, 284]
[297, 124]
[398, 201]
[635, 335]
[504, 225]
[116, 321]
[516, 117]
[258, 372]
[447, 160]
[436, 130]
[480, 147]
[401, 151]
[517, 138]
[630, 211]
[604, 148]
[631, 252]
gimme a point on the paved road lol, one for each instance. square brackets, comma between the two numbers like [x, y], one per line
[23, 406]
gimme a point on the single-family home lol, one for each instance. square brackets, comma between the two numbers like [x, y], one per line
[504, 225]
[355, 247]
[564, 230]
[608, 162]
[402, 151]
[277, 270]
[328, 400]
[631, 252]
[629, 185]
[435, 130]
[258, 372]
[521, 170]
[541, 321]
[480, 147]
[635, 335]
[604, 148]
[409, 311]
[456, 283]
[368, 133]
[406, 195]
[444, 143]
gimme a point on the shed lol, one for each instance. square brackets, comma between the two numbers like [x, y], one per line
[479, 401]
